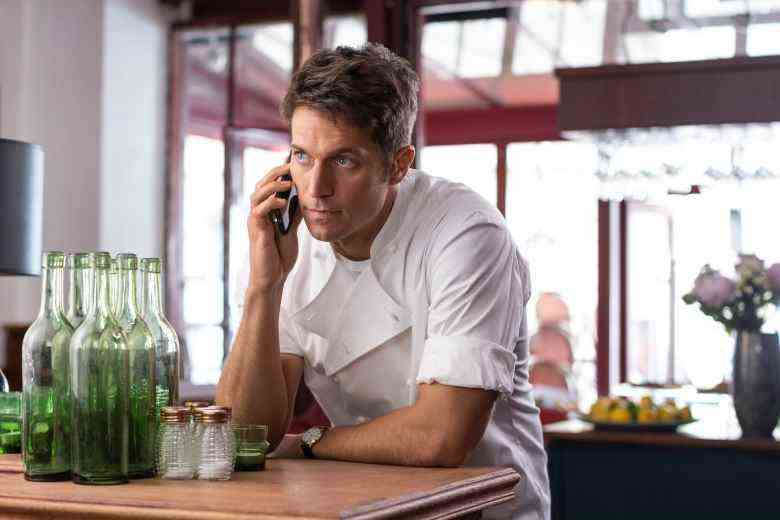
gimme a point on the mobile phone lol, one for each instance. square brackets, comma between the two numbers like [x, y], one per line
[284, 219]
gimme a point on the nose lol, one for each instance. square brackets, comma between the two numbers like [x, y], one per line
[320, 181]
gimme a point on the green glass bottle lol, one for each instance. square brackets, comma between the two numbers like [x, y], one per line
[165, 338]
[114, 283]
[140, 343]
[99, 361]
[78, 298]
[45, 382]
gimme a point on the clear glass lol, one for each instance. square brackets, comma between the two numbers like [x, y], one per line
[217, 451]
[114, 281]
[78, 298]
[3, 382]
[174, 451]
[471, 164]
[45, 384]
[100, 373]
[166, 341]
[251, 446]
[10, 422]
[143, 414]
[559, 239]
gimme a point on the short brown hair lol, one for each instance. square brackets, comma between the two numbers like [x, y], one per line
[369, 87]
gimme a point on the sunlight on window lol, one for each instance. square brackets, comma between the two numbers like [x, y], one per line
[346, 30]
[763, 39]
[680, 45]
[202, 253]
[473, 165]
[275, 42]
[204, 345]
[552, 212]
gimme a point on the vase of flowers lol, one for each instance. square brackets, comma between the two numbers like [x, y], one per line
[743, 305]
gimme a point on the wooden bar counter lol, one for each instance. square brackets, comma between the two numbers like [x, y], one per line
[287, 489]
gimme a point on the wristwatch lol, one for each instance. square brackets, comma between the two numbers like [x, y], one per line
[309, 438]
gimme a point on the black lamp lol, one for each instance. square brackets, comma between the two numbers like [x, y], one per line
[21, 207]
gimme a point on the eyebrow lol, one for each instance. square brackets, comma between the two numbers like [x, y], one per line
[337, 151]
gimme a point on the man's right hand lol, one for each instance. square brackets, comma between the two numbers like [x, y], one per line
[271, 254]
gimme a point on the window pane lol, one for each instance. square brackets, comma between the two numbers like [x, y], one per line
[472, 164]
[264, 56]
[552, 212]
[681, 44]
[345, 30]
[764, 39]
[256, 162]
[203, 301]
[204, 349]
[203, 199]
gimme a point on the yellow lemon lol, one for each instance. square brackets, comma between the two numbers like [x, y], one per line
[647, 415]
[646, 402]
[684, 414]
[667, 413]
[620, 414]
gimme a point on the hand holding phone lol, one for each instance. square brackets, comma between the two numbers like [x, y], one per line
[284, 219]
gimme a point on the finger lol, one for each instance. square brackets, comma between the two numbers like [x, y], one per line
[268, 190]
[262, 209]
[274, 173]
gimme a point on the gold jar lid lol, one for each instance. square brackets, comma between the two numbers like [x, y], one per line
[174, 414]
[213, 414]
[196, 404]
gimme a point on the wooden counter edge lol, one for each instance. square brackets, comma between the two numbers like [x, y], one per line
[23, 508]
[450, 501]
[574, 431]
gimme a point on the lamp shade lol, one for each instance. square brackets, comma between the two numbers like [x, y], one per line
[21, 207]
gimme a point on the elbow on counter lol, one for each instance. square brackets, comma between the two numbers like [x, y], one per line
[442, 452]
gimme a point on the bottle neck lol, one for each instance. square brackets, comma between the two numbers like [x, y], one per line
[78, 299]
[152, 294]
[102, 305]
[127, 303]
[51, 292]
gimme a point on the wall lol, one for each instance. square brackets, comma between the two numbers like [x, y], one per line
[133, 127]
[85, 79]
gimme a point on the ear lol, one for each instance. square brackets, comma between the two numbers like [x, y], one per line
[401, 162]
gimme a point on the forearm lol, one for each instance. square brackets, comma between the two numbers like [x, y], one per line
[252, 380]
[404, 437]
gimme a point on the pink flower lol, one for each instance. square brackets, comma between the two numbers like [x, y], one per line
[749, 265]
[713, 289]
[773, 273]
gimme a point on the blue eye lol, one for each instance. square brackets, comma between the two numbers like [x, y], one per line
[301, 157]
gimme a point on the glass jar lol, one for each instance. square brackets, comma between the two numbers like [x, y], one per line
[174, 445]
[216, 442]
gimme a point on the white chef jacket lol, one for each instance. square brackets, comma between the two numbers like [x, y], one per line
[442, 299]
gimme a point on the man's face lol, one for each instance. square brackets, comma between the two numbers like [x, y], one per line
[340, 176]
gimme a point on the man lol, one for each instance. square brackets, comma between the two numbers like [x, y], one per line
[401, 302]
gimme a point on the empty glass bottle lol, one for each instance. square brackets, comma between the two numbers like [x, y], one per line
[143, 414]
[114, 284]
[78, 298]
[45, 381]
[99, 362]
[166, 341]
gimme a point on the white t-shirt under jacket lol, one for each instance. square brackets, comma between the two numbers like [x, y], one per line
[442, 299]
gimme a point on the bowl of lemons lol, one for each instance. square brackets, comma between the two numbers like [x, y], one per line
[622, 413]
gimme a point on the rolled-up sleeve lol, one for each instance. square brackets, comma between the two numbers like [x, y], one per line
[477, 293]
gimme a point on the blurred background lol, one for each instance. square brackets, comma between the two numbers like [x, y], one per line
[157, 118]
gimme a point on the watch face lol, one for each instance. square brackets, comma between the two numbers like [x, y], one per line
[311, 435]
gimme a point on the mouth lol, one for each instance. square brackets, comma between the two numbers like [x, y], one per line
[321, 212]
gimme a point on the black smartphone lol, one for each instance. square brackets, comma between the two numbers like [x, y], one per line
[284, 219]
